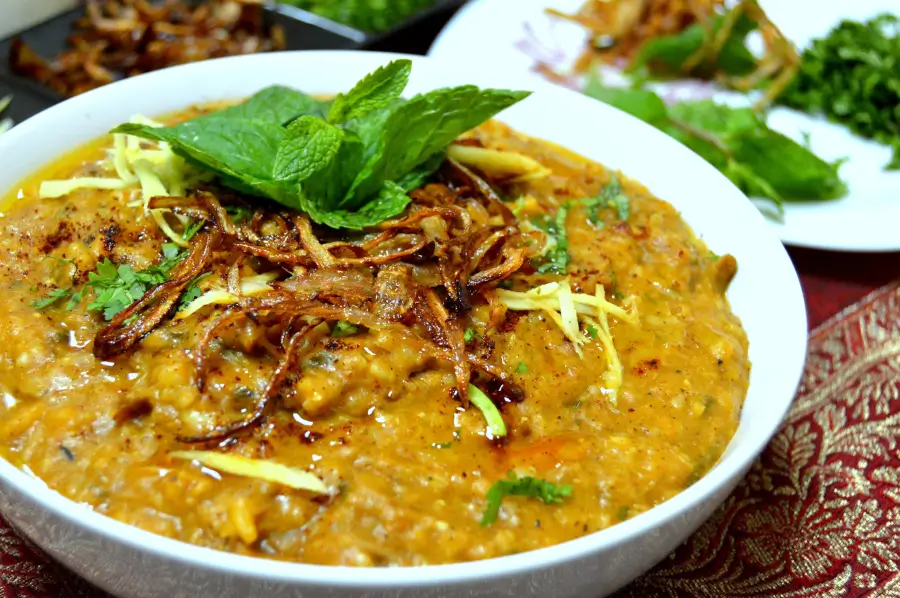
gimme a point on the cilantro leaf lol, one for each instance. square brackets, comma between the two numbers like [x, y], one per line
[522, 368]
[239, 213]
[55, 295]
[556, 256]
[192, 229]
[342, 329]
[470, 335]
[192, 291]
[851, 76]
[610, 197]
[117, 287]
[311, 144]
[375, 91]
[527, 486]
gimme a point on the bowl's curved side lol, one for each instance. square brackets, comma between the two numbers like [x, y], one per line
[766, 295]
[126, 570]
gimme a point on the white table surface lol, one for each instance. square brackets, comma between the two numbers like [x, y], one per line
[17, 14]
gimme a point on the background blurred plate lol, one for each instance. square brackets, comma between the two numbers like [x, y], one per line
[513, 36]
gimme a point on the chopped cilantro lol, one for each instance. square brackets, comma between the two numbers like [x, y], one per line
[192, 228]
[442, 445]
[611, 196]
[342, 329]
[192, 291]
[239, 213]
[556, 258]
[592, 331]
[117, 287]
[529, 487]
[522, 368]
[470, 335]
[616, 294]
[622, 515]
[54, 296]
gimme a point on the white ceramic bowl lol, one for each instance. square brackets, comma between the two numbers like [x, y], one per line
[765, 294]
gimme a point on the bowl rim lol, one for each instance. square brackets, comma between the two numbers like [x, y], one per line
[343, 577]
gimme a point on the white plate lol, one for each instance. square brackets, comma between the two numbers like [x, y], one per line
[513, 35]
[137, 564]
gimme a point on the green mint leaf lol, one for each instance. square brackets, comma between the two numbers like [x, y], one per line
[275, 104]
[237, 149]
[390, 201]
[666, 55]
[641, 103]
[311, 144]
[375, 91]
[416, 130]
[792, 170]
[529, 487]
[715, 118]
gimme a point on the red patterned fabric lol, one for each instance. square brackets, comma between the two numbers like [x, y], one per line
[819, 513]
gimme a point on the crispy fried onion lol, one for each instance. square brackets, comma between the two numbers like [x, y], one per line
[418, 274]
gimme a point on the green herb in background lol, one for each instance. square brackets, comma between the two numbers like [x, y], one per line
[737, 141]
[852, 76]
[677, 55]
[528, 486]
[367, 15]
[348, 163]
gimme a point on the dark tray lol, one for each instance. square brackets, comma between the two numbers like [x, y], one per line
[303, 31]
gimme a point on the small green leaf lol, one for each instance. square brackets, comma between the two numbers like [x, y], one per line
[55, 295]
[343, 329]
[375, 91]
[423, 126]
[470, 335]
[522, 368]
[556, 259]
[310, 146]
[529, 487]
[642, 103]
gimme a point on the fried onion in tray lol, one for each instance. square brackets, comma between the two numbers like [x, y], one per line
[417, 275]
[123, 38]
